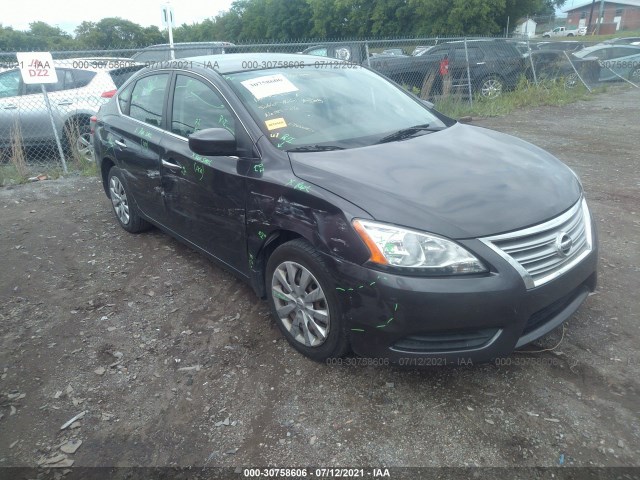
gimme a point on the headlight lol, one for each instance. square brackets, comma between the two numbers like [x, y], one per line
[415, 251]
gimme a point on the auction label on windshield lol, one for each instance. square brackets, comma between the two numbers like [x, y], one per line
[269, 85]
[275, 123]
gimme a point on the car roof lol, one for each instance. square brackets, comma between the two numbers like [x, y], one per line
[164, 46]
[235, 62]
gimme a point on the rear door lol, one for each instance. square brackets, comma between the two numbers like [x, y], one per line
[135, 138]
[204, 196]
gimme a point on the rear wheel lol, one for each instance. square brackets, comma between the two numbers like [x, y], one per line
[491, 87]
[125, 210]
[304, 303]
[571, 81]
[77, 140]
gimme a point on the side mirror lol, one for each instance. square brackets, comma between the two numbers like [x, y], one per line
[213, 141]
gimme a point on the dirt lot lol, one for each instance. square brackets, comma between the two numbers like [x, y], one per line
[177, 363]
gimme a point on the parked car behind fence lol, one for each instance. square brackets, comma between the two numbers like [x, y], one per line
[83, 85]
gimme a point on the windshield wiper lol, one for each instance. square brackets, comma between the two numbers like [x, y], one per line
[409, 132]
[315, 148]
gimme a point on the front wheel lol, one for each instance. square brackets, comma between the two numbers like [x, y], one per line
[634, 76]
[124, 208]
[303, 301]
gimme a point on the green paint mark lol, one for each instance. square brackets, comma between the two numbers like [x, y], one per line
[385, 324]
[279, 295]
[286, 138]
[183, 170]
[361, 286]
[395, 309]
[357, 330]
[199, 169]
[303, 187]
[258, 168]
[351, 289]
[388, 248]
[144, 144]
[250, 261]
[201, 159]
[144, 133]
[372, 284]
[262, 235]
[340, 289]
[196, 125]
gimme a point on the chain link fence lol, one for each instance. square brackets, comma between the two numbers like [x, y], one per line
[465, 70]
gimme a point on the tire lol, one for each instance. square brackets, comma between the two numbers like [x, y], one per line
[124, 209]
[303, 301]
[634, 76]
[491, 87]
[546, 36]
[77, 140]
[570, 35]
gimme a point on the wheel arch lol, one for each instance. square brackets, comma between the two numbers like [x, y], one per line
[274, 240]
[105, 165]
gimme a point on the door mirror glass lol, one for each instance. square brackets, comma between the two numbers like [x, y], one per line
[213, 141]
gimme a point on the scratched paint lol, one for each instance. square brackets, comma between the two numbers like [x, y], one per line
[262, 235]
[258, 168]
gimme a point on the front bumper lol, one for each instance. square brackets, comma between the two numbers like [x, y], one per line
[455, 320]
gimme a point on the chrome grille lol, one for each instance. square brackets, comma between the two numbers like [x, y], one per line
[544, 252]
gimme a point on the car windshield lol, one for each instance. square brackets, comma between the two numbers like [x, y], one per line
[328, 107]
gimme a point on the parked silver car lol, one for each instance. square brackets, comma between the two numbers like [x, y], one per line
[83, 85]
[615, 61]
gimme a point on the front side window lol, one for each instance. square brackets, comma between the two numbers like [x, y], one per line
[147, 99]
[196, 107]
[346, 108]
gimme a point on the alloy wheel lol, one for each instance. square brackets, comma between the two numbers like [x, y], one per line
[84, 148]
[119, 199]
[491, 88]
[300, 303]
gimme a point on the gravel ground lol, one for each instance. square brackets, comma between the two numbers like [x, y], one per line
[174, 362]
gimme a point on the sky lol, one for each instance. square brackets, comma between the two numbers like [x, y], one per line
[68, 14]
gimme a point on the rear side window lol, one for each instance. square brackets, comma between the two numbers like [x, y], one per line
[65, 81]
[81, 78]
[196, 106]
[147, 99]
[121, 75]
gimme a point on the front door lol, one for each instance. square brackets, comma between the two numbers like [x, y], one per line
[204, 196]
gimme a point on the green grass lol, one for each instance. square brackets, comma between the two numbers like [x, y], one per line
[526, 94]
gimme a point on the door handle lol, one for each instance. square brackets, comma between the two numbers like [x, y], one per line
[11, 106]
[120, 143]
[172, 166]
[66, 103]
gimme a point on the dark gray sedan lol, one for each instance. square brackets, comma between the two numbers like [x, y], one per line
[366, 219]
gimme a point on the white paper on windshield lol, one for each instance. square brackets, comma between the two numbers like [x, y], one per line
[269, 85]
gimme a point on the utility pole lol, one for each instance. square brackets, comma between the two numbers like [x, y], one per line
[593, 4]
[600, 17]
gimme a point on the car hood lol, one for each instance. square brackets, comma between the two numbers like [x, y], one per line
[461, 182]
